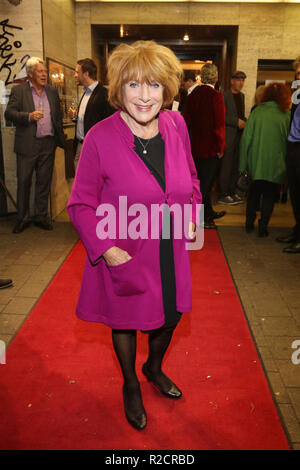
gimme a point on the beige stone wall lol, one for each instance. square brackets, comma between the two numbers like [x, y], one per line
[266, 31]
[30, 35]
[59, 28]
[83, 30]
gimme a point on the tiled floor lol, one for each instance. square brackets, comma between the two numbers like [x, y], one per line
[268, 283]
[30, 259]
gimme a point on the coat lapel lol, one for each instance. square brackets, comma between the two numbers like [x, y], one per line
[29, 98]
[92, 97]
[90, 104]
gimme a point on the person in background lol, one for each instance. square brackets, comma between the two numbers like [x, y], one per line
[142, 153]
[34, 108]
[257, 100]
[189, 84]
[258, 96]
[182, 97]
[235, 122]
[189, 81]
[296, 90]
[205, 118]
[293, 171]
[93, 106]
[263, 152]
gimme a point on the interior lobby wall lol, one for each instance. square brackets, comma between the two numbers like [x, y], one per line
[266, 31]
[59, 29]
[21, 38]
[45, 29]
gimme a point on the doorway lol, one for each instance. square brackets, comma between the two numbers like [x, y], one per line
[191, 44]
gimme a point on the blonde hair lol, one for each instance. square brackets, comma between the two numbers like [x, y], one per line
[209, 74]
[144, 61]
[259, 94]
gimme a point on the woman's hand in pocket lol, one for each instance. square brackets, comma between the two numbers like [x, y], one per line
[115, 256]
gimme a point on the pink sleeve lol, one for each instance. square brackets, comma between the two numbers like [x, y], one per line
[85, 198]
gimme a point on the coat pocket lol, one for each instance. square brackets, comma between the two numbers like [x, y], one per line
[126, 278]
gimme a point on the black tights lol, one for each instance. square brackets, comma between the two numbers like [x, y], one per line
[267, 190]
[124, 342]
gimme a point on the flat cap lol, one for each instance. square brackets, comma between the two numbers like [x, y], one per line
[239, 74]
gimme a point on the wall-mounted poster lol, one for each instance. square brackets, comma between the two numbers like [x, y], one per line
[62, 78]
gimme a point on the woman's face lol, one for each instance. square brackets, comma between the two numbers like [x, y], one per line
[142, 101]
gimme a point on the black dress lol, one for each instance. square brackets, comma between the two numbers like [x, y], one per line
[154, 160]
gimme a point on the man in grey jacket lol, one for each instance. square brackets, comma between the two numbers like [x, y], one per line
[235, 122]
[34, 108]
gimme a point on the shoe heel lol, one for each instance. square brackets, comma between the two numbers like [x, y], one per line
[144, 370]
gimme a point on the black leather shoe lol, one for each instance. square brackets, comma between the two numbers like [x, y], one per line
[294, 248]
[289, 238]
[44, 224]
[5, 283]
[139, 421]
[218, 215]
[173, 392]
[209, 224]
[20, 226]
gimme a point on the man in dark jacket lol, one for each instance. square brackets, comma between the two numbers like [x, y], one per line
[205, 118]
[293, 168]
[235, 122]
[93, 106]
[34, 108]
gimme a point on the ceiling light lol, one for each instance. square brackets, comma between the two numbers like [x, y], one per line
[186, 37]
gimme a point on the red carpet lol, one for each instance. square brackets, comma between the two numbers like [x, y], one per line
[61, 385]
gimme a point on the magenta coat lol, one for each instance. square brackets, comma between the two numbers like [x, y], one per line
[129, 296]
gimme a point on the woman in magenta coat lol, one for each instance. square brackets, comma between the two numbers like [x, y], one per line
[134, 193]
